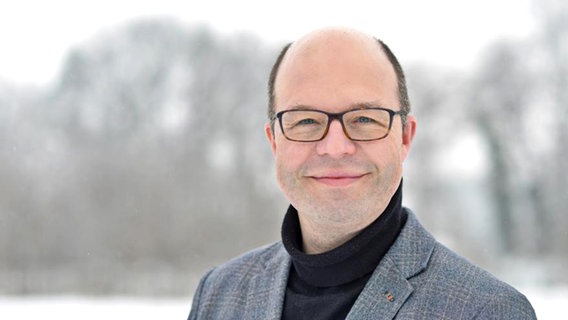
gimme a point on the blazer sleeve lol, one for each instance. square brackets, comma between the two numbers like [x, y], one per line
[507, 307]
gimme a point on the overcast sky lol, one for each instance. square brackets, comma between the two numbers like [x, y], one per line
[35, 35]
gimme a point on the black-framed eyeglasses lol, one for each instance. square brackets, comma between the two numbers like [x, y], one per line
[364, 124]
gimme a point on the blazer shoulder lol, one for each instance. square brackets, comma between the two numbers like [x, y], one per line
[248, 264]
[482, 295]
[449, 285]
[244, 285]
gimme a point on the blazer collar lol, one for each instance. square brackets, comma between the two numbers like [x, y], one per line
[385, 292]
[388, 288]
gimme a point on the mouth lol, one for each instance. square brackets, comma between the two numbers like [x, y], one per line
[340, 180]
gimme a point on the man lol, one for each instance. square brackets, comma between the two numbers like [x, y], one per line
[340, 130]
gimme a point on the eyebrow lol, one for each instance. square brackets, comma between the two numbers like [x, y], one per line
[353, 106]
[366, 105]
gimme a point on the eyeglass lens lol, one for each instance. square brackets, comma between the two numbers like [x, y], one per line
[309, 125]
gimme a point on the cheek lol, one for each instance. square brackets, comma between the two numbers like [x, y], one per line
[384, 157]
[290, 158]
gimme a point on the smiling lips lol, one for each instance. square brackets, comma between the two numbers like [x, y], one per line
[337, 180]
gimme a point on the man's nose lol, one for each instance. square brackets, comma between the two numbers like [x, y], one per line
[335, 144]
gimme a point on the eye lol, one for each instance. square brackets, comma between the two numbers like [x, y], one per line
[306, 121]
[364, 120]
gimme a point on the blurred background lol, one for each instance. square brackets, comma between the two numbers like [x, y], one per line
[133, 158]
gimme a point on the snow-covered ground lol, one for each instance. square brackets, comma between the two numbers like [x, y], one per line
[92, 308]
[549, 303]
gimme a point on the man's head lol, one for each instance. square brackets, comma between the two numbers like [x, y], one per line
[401, 79]
[338, 185]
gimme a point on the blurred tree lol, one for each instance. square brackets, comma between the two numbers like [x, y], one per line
[552, 40]
[146, 163]
[518, 99]
[147, 155]
[498, 102]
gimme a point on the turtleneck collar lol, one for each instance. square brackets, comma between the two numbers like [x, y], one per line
[352, 260]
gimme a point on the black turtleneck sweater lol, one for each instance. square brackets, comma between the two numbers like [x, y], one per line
[326, 285]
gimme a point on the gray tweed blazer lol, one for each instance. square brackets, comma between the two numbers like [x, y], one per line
[418, 278]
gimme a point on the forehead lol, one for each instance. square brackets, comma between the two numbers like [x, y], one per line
[335, 69]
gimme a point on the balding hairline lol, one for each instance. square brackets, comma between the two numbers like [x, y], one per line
[401, 81]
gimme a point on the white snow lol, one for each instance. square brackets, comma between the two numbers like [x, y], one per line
[549, 303]
[92, 308]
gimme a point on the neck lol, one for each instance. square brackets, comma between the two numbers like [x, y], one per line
[323, 236]
[318, 238]
[351, 259]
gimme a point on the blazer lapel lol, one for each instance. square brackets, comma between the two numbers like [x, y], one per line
[384, 294]
[388, 288]
[266, 297]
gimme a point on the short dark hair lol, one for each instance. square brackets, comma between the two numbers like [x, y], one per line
[271, 83]
[401, 82]
[403, 98]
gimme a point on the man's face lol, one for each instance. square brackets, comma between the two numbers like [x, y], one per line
[337, 181]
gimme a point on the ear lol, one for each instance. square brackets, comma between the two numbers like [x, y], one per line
[270, 136]
[408, 135]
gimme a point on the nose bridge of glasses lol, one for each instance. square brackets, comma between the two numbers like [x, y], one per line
[335, 116]
[331, 119]
[335, 141]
